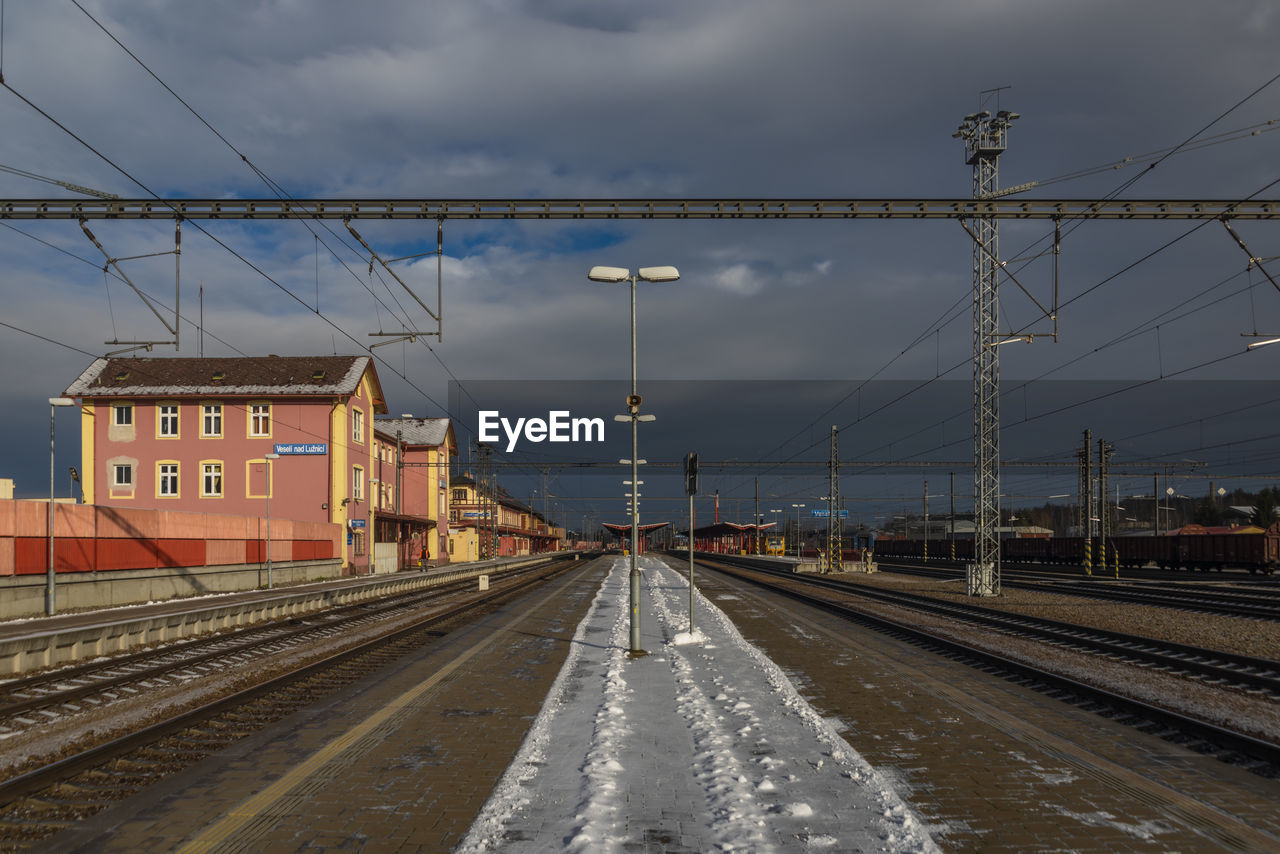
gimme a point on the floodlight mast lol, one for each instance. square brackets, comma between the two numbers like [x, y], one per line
[985, 139]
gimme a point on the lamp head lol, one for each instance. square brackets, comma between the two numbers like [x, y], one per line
[659, 274]
[609, 274]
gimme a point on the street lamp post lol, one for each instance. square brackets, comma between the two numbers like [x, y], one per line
[373, 490]
[271, 483]
[50, 574]
[615, 275]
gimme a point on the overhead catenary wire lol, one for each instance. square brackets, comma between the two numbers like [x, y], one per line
[108, 274]
[221, 243]
[1167, 153]
[279, 192]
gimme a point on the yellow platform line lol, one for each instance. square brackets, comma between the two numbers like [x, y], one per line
[249, 809]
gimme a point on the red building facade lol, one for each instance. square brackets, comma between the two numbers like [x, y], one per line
[194, 435]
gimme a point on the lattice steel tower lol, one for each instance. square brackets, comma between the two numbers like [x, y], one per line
[985, 139]
[835, 525]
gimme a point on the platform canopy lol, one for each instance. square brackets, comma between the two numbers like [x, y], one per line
[625, 530]
[729, 529]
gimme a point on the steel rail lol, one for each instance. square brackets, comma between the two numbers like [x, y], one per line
[621, 208]
[1245, 671]
[1204, 602]
[215, 647]
[16, 788]
[1226, 739]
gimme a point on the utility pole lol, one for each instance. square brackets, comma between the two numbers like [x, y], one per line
[1085, 454]
[926, 521]
[1105, 450]
[757, 516]
[953, 515]
[835, 524]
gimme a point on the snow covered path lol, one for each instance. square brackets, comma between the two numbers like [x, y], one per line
[704, 745]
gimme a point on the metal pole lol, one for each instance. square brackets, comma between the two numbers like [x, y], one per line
[757, 519]
[49, 590]
[269, 525]
[271, 483]
[50, 594]
[691, 564]
[369, 536]
[635, 496]
[953, 515]
[1155, 512]
[926, 520]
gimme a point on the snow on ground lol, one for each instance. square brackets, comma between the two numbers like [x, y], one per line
[703, 745]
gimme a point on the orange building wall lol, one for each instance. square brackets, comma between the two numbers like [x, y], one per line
[91, 538]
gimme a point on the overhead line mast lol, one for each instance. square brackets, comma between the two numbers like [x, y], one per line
[985, 139]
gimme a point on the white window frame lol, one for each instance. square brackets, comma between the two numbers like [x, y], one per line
[357, 425]
[119, 410]
[164, 478]
[115, 476]
[357, 483]
[259, 413]
[166, 418]
[211, 411]
[208, 469]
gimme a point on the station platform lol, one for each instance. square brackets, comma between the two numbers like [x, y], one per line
[534, 730]
[37, 642]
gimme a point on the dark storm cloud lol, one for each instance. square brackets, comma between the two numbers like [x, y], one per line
[576, 99]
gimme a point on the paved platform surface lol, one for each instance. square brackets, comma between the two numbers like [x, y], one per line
[402, 761]
[407, 760]
[994, 767]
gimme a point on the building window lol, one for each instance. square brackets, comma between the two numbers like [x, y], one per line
[357, 483]
[167, 480]
[211, 423]
[260, 419]
[122, 476]
[460, 495]
[358, 542]
[124, 414]
[357, 425]
[168, 415]
[211, 480]
[453, 515]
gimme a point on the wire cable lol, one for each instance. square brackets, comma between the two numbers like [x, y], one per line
[278, 191]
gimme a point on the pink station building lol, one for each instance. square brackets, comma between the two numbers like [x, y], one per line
[195, 434]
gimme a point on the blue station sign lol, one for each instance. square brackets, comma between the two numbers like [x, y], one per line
[295, 448]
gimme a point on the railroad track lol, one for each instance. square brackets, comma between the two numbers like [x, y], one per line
[1256, 676]
[1260, 603]
[41, 802]
[35, 700]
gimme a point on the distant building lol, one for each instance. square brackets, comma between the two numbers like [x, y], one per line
[412, 494]
[484, 523]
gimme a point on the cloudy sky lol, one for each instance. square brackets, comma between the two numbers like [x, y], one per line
[577, 99]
